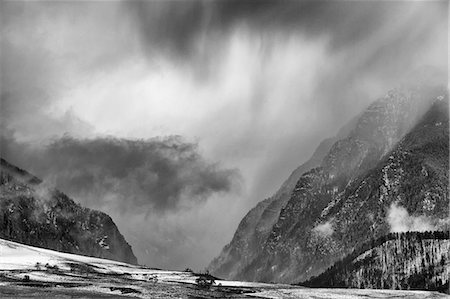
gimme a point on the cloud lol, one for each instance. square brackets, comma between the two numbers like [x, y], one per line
[191, 28]
[158, 174]
[400, 221]
[324, 229]
[40, 65]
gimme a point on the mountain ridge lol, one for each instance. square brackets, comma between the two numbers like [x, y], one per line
[319, 223]
[257, 223]
[33, 214]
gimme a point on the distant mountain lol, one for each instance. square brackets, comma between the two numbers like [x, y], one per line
[33, 214]
[394, 153]
[401, 261]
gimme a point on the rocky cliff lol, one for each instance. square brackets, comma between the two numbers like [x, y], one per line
[388, 157]
[33, 214]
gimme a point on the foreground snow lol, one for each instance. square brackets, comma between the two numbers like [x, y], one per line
[35, 272]
[15, 256]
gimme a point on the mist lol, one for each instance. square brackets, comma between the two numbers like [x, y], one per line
[399, 220]
[93, 93]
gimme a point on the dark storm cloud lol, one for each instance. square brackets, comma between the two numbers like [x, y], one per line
[179, 26]
[137, 176]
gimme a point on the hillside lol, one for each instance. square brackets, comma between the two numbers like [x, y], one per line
[401, 261]
[33, 214]
[395, 154]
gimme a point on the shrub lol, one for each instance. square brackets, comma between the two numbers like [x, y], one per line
[204, 282]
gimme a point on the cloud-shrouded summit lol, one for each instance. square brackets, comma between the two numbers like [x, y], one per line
[91, 92]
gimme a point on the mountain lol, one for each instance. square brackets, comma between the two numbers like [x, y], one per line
[33, 214]
[401, 261]
[387, 159]
[256, 226]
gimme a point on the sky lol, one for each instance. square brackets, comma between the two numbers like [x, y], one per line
[177, 117]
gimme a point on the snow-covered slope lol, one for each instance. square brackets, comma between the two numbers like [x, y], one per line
[16, 256]
[24, 266]
[32, 272]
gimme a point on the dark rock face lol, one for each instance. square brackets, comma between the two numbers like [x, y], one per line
[387, 157]
[32, 214]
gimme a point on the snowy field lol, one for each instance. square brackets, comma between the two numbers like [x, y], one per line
[31, 272]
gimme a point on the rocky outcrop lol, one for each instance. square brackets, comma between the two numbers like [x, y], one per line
[33, 214]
